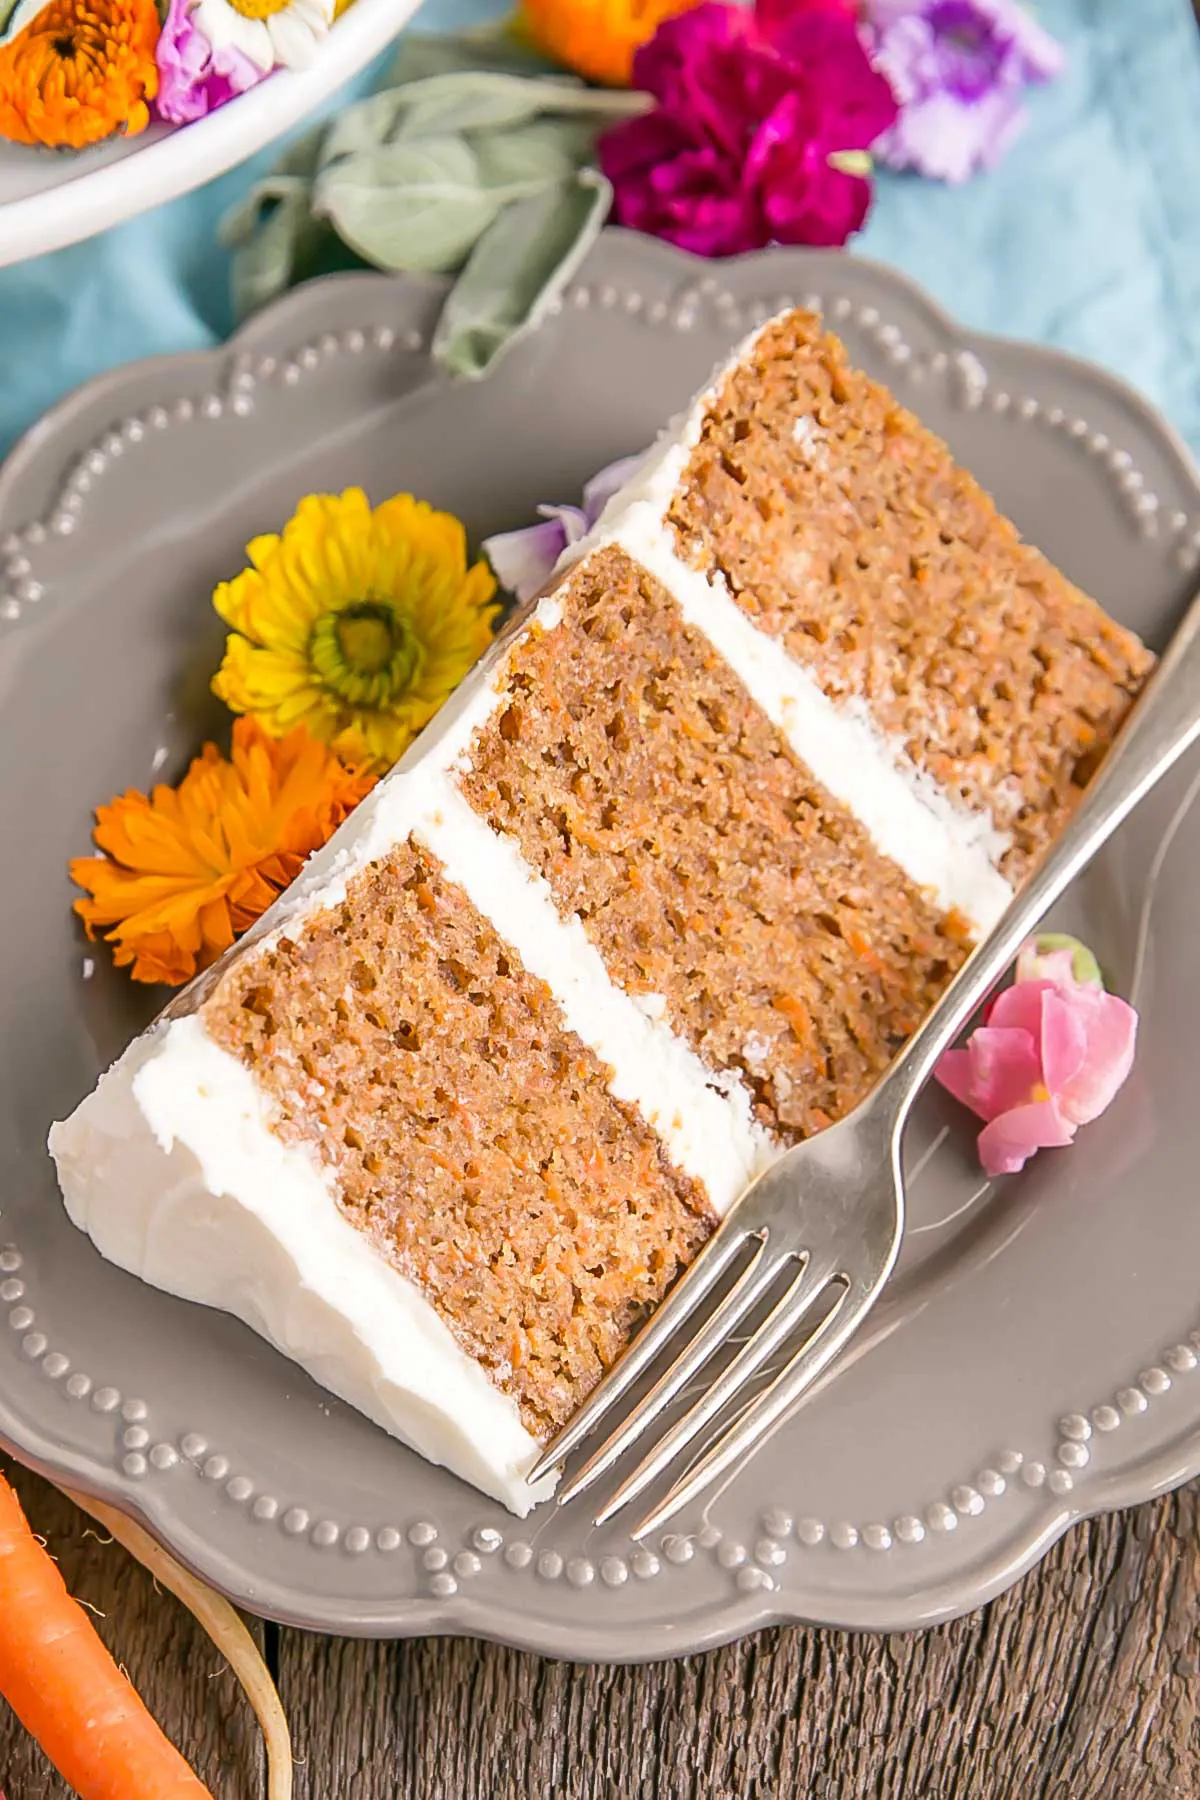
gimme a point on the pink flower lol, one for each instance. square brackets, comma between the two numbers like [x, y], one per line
[1050, 1055]
[776, 15]
[193, 78]
[761, 132]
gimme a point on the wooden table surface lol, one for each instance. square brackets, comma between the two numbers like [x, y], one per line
[1082, 1683]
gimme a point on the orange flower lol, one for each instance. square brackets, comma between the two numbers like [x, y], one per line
[596, 38]
[187, 870]
[80, 71]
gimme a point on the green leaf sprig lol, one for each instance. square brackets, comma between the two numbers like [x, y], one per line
[474, 161]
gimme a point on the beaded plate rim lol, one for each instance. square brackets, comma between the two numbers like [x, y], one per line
[449, 1600]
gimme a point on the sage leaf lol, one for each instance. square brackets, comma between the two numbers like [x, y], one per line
[470, 101]
[264, 233]
[274, 236]
[484, 101]
[291, 176]
[240, 223]
[289, 246]
[521, 262]
[499, 99]
[417, 206]
[544, 151]
[471, 162]
[422, 205]
[489, 47]
[442, 106]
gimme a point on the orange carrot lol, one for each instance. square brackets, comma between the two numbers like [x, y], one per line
[66, 1689]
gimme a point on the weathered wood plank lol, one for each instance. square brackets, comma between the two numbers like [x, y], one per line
[170, 1661]
[1080, 1684]
[1083, 1682]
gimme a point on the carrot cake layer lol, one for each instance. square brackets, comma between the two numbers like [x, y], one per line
[846, 530]
[719, 881]
[467, 1134]
[661, 889]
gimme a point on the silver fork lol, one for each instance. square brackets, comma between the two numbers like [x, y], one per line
[824, 1223]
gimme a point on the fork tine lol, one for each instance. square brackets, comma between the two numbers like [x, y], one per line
[754, 1279]
[816, 1275]
[683, 1299]
[793, 1380]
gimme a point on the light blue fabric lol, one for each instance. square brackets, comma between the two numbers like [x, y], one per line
[1088, 235]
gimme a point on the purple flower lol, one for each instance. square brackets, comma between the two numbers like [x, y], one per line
[761, 132]
[193, 78]
[959, 69]
[525, 560]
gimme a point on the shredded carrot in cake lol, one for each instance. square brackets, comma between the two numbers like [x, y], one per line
[186, 870]
[80, 71]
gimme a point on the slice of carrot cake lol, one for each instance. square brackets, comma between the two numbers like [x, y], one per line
[658, 893]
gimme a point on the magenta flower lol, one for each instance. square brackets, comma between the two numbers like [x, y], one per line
[1050, 1055]
[776, 17]
[761, 132]
[525, 560]
[193, 78]
[959, 69]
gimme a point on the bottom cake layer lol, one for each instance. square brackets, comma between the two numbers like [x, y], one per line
[469, 1136]
[171, 1167]
[404, 1170]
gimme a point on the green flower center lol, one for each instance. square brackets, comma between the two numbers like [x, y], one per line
[367, 654]
[366, 637]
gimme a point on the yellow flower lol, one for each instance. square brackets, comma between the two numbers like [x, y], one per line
[185, 870]
[355, 623]
[596, 38]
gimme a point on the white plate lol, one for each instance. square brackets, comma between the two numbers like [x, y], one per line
[49, 198]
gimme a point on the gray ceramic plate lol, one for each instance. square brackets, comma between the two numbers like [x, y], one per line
[1036, 1358]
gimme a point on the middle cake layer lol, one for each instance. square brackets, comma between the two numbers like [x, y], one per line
[718, 880]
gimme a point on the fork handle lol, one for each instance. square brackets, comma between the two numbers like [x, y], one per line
[1164, 722]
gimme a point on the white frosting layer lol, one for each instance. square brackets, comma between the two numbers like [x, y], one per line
[172, 1168]
[943, 847]
[704, 1120]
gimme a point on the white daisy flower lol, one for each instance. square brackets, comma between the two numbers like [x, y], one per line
[271, 33]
